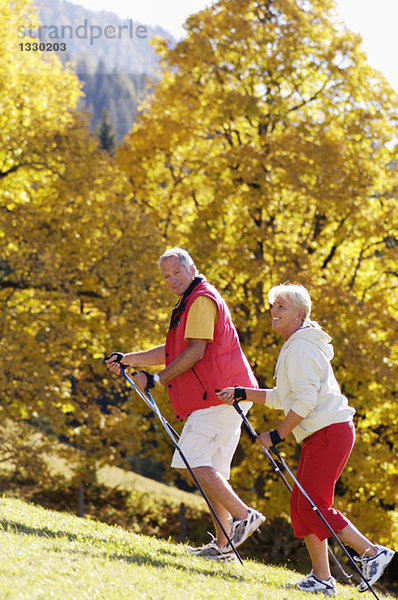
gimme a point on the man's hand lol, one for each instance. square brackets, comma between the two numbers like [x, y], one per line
[114, 361]
[141, 380]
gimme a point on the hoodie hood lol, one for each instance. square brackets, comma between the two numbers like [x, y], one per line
[310, 333]
[315, 335]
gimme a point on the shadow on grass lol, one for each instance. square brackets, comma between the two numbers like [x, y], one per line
[171, 558]
[15, 527]
[161, 558]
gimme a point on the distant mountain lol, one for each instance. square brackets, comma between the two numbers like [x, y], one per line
[100, 36]
[111, 56]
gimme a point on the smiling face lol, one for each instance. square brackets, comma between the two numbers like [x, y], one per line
[286, 318]
[176, 276]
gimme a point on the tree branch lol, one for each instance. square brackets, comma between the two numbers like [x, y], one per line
[46, 287]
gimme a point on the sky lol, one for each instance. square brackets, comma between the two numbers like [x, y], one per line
[375, 20]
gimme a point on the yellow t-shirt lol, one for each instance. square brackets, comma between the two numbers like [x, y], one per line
[201, 319]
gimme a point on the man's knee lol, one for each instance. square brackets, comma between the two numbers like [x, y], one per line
[184, 473]
[205, 473]
[204, 469]
[201, 473]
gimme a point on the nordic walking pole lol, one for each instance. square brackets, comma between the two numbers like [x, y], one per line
[149, 401]
[254, 436]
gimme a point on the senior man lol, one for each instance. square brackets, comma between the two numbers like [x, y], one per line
[202, 353]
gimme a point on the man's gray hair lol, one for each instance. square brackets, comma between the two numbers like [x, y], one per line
[296, 294]
[183, 256]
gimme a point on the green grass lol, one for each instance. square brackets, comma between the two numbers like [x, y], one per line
[49, 555]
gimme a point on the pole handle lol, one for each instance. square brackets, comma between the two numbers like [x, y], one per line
[252, 433]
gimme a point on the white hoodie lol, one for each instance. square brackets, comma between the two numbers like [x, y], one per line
[305, 383]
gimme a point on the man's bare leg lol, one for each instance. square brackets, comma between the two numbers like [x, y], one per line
[225, 501]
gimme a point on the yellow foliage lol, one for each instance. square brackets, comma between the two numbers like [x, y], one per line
[268, 149]
[70, 248]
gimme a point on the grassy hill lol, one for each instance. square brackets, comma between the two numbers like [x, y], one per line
[51, 555]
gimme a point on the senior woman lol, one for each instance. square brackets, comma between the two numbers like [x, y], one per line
[319, 416]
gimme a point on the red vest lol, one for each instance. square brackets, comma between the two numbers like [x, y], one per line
[223, 364]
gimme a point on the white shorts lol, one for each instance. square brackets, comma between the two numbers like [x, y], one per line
[209, 438]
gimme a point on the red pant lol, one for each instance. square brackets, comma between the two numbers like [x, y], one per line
[323, 457]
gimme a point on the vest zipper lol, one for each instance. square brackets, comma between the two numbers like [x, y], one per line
[198, 378]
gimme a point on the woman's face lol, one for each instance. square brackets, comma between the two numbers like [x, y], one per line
[286, 318]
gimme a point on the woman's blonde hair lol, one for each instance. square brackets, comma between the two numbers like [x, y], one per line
[296, 294]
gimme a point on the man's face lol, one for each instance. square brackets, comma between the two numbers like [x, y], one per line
[177, 278]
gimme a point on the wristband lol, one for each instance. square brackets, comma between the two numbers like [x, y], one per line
[150, 383]
[239, 393]
[275, 437]
[156, 379]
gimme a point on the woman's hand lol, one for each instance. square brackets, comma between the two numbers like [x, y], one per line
[227, 395]
[264, 439]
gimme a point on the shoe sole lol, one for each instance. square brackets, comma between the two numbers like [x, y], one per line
[324, 593]
[330, 593]
[220, 558]
[195, 551]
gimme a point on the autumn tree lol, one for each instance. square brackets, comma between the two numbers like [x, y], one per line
[70, 246]
[268, 149]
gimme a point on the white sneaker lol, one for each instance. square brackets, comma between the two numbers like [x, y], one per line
[195, 550]
[213, 552]
[372, 567]
[313, 584]
[242, 528]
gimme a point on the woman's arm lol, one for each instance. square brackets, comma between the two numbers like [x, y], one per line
[258, 396]
[255, 395]
[284, 428]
